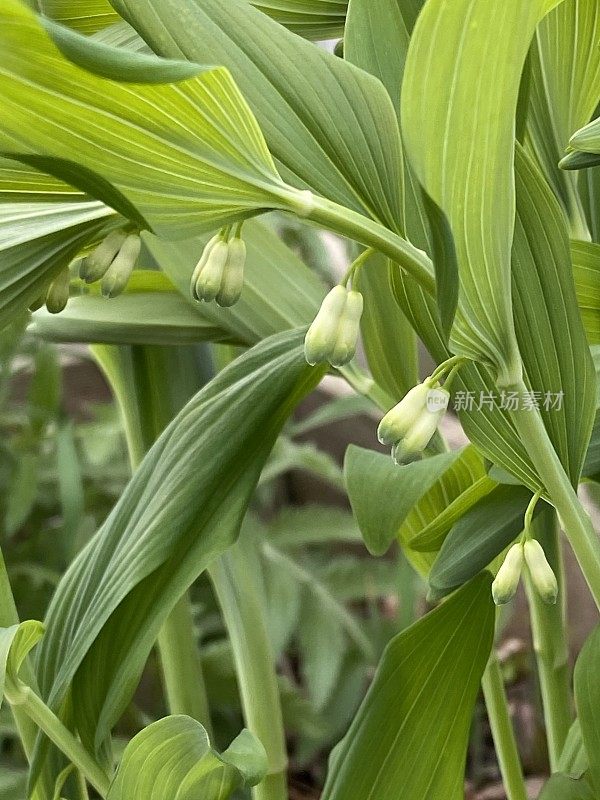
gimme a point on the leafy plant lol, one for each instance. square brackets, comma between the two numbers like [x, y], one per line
[441, 144]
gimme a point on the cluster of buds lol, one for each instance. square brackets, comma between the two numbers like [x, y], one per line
[531, 553]
[334, 332]
[410, 425]
[219, 275]
[112, 262]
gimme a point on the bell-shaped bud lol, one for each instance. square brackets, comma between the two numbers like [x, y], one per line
[419, 435]
[321, 338]
[507, 580]
[116, 277]
[542, 575]
[210, 277]
[401, 418]
[94, 266]
[348, 330]
[202, 263]
[57, 295]
[233, 274]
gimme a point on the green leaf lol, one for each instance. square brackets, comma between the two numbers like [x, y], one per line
[456, 490]
[478, 537]
[409, 738]
[15, 644]
[562, 787]
[309, 103]
[85, 16]
[382, 493]
[564, 91]
[587, 699]
[313, 19]
[586, 272]
[183, 506]
[459, 102]
[187, 157]
[172, 760]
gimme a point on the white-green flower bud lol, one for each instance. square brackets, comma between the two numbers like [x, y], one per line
[57, 295]
[419, 435]
[400, 419]
[233, 275]
[322, 335]
[210, 277]
[542, 576]
[116, 277]
[507, 580]
[202, 263]
[348, 330]
[96, 264]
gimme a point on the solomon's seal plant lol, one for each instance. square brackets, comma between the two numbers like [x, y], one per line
[452, 145]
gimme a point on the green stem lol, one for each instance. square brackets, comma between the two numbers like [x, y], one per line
[550, 642]
[502, 731]
[182, 671]
[62, 737]
[572, 516]
[372, 234]
[234, 576]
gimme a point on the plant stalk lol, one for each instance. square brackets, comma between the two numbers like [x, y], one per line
[548, 624]
[572, 516]
[234, 576]
[502, 731]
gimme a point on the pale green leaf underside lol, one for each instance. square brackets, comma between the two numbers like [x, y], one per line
[409, 738]
[187, 156]
[586, 272]
[85, 16]
[459, 101]
[313, 19]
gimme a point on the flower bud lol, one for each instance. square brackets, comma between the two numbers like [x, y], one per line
[95, 265]
[233, 275]
[116, 277]
[507, 580]
[210, 276]
[348, 330]
[202, 263]
[57, 295]
[418, 436]
[542, 576]
[321, 337]
[400, 419]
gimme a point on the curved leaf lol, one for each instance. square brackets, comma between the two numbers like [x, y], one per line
[409, 737]
[85, 16]
[587, 699]
[183, 506]
[15, 644]
[586, 272]
[313, 19]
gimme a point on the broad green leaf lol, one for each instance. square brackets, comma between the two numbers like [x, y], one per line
[478, 537]
[22, 184]
[382, 493]
[15, 644]
[85, 16]
[183, 506]
[280, 292]
[587, 699]
[298, 526]
[172, 760]
[456, 490]
[584, 147]
[186, 156]
[388, 339]
[562, 787]
[310, 104]
[586, 272]
[591, 467]
[459, 102]
[313, 19]
[564, 90]
[409, 738]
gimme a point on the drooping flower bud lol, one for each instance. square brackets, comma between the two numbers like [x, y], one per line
[116, 277]
[507, 580]
[232, 282]
[321, 338]
[57, 295]
[420, 433]
[542, 575]
[210, 276]
[400, 419]
[96, 264]
[348, 330]
[202, 263]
